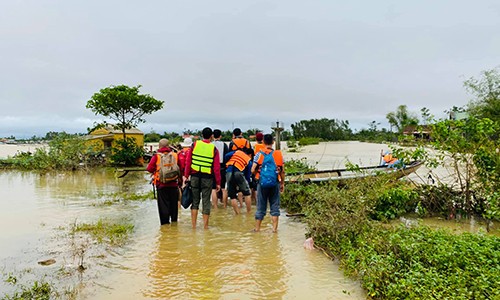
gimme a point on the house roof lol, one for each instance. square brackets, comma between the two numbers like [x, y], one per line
[410, 129]
[109, 129]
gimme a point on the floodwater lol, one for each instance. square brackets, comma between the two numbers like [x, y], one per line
[228, 261]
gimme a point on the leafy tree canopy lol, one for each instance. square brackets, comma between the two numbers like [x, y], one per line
[401, 118]
[124, 105]
[486, 90]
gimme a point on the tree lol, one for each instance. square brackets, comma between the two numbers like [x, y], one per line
[487, 95]
[401, 118]
[124, 105]
[325, 129]
[426, 115]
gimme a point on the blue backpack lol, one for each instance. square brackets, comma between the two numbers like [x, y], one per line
[268, 171]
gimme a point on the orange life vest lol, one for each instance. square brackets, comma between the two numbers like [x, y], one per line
[259, 147]
[240, 143]
[389, 159]
[156, 176]
[239, 160]
[278, 159]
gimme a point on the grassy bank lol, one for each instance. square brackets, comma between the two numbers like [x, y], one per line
[400, 262]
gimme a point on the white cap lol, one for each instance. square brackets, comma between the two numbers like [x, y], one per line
[187, 142]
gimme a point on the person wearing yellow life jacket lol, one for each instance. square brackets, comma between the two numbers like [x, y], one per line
[201, 170]
[168, 192]
[238, 170]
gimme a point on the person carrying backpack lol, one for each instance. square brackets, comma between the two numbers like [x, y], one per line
[167, 176]
[269, 169]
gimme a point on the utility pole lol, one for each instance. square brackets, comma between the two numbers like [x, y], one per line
[278, 128]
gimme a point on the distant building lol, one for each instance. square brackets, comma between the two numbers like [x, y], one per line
[418, 131]
[456, 115]
[106, 137]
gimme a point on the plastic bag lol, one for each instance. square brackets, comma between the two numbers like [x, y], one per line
[187, 196]
[309, 244]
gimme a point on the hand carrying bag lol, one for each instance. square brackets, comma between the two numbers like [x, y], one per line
[187, 196]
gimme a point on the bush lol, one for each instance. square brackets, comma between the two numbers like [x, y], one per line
[309, 141]
[395, 202]
[127, 152]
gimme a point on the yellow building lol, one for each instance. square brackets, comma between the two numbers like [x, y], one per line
[106, 137]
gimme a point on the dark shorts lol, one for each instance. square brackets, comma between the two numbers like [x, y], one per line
[236, 182]
[222, 180]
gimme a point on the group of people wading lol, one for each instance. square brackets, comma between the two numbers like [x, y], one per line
[215, 170]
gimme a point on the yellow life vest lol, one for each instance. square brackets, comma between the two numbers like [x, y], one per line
[239, 160]
[202, 157]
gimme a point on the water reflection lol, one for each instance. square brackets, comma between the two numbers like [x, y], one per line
[228, 261]
[220, 263]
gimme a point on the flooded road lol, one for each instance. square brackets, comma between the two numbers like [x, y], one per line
[228, 261]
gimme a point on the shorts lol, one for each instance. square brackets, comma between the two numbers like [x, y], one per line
[236, 182]
[222, 180]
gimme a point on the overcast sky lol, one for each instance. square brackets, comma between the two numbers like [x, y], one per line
[240, 63]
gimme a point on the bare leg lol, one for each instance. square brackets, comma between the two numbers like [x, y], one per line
[248, 202]
[194, 216]
[234, 204]
[240, 199]
[257, 225]
[224, 197]
[205, 221]
[214, 199]
[275, 223]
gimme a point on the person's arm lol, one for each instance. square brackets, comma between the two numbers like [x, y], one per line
[248, 170]
[216, 168]
[151, 168]
[255, 165]
[187, 165]
[228, 156]
[282, 174]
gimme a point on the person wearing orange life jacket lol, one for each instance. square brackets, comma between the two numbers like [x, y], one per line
[390, 161]
[238, 141]
[268, 191]
[201, 170]
[239, 165]
[168, 193]
[259, 145]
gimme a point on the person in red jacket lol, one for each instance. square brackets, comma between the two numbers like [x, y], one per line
[202, 166]
[168, 193]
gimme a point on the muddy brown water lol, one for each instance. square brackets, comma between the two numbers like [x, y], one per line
[227, 261]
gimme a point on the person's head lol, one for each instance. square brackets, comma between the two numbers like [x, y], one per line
[206, 133]
[259, 136]
[268, 139]
[163, 143]
[236, 132]
[217, 133]
[187, 142]
[248, 152]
